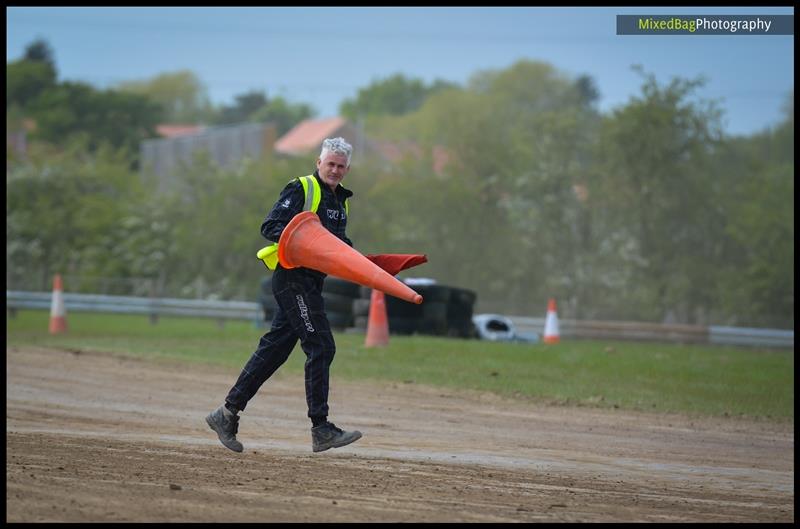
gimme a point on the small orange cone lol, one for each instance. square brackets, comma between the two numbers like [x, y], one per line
[305, 242]
[551, 323]
[378, 323]
[58, 317]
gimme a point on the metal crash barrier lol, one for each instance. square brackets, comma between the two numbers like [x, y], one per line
[252, 311]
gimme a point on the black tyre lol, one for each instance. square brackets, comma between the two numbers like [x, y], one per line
[432, 293]
[334, 285]
[432, 327]
[339, 320]
[403, 325]
[337, 302]
[397, 308]
[360, 307]
[434, 310]
[459, 313]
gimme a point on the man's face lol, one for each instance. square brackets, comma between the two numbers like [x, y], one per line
[332, 169]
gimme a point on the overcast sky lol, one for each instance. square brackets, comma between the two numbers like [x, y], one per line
[322, 56]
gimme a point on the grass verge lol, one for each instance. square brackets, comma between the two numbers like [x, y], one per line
[691, 379]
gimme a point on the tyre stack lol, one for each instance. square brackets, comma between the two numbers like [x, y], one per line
[459, 313]
[445, 311]
[361, 308]
[433, 320]
[337, 293]
[339, 296]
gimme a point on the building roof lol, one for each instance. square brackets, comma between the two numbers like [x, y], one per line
[308, 135]
[172, 130]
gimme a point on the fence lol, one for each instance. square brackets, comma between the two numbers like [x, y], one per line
[656, 332]
[252, 311]
[153, 307]
[226, 145]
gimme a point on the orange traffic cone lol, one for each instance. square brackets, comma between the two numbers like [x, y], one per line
[305, 242]
[378, 323]
[58, 317]
[551, 323]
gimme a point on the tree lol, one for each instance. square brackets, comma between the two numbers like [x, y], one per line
[283, 114]
[395, 95]
[181, 95]
[245, 106]
[756, 272]
[29, 77]
[61, 208]
[256, 107]
[501, 218]
[77, 109]
[40, 51]
[215, 217]
[27, 80]
[587, 89]
[653, 185]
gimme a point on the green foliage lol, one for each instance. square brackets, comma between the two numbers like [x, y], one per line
[30, 76]
[654, 189]
[70, 111]
[181, 95]
[517, 139]
[27, 80]
[757, 273]
[40, 51]
[245, 106]
[647, 213]
[213, 218]
[282, 114]
[395, 95]
[62, 209]
[256, 107]
[120, 119]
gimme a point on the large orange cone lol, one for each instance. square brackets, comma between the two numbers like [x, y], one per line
[58, 316]
[305, 242]
[378, 323]
[551, 323]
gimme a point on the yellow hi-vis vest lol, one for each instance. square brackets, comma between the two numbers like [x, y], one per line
[313, 195]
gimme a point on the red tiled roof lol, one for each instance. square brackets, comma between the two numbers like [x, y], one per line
[308, 135]
[169, 130]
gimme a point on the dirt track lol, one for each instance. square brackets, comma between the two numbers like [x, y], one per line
[92, 437]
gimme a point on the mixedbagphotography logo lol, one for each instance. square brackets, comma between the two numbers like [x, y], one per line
[705, 24]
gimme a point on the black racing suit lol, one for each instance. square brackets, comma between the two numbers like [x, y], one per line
[301, 308]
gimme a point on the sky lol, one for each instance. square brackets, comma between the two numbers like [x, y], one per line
[322, 56]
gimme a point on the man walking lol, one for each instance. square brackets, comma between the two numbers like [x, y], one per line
[300, 314]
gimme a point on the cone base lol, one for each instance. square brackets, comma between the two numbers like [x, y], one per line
[551, 339]
[58, 325]
[377, 339]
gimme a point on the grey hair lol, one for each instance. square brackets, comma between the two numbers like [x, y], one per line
[336, 146]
